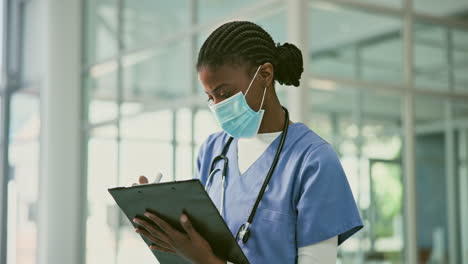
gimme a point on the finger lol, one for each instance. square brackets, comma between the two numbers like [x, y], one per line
[167, 228]
[142, 180]
[154, 239]
[159, 248]
[187, 225]
[152, 230]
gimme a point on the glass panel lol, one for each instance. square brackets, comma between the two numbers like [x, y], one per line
[102, 211]
[441, 56]
[205, 124]
[102, 96]
[184, 149]
[148, 125]
[274, 23]
[430, 57]
[384, 3]
[100, 30]
[448, 8]
[140, 157]
[24, 177]
[352, 44]
[213, 10]
[431, 180]
[145, 157]
[460, 59]
[147, 21]
[364, 127]
[158, 74]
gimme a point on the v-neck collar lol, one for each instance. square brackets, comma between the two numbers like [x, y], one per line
[267, 150]
[262, 164]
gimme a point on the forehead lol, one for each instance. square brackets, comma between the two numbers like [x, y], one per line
[211, 76]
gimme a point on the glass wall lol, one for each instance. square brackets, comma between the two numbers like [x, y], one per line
[365, 129]
[19, 132]
[24, 177]
[146, 111]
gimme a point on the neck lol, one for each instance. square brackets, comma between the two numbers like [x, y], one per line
[274, 116]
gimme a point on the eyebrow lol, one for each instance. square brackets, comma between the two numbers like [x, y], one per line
[217, 88]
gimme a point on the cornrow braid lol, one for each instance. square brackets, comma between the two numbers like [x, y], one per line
[240, 42]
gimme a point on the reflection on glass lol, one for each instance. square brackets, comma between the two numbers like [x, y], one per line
[386, 210]
[352, 44]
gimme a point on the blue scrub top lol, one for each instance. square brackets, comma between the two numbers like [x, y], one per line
[308, 198]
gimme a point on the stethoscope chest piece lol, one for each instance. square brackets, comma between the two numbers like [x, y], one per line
[244, 232]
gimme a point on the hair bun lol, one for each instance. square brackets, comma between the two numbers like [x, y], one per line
[289, 65]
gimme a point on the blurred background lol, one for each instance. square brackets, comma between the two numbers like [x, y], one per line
[95, 93]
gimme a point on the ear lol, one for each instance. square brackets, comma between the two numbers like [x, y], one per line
[266, 73]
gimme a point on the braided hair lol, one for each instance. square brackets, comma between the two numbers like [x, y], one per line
[241, 42]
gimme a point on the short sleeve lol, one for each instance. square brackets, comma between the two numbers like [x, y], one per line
[204, 158]
[326, 206]
[198, 165]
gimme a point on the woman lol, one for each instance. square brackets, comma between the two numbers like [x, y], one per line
[303, 205]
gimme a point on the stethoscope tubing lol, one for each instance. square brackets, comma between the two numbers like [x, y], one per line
[244, 230]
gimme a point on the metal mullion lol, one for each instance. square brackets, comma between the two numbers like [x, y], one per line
[364, 6]
[84, 139]
[193, 50]
[120, 47]
[380, 86]
[450, 166]
[10, 82]
[440, 21]
[408, 117]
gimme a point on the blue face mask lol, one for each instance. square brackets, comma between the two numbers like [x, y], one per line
[236, 117]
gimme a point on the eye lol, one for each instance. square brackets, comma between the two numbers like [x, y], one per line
[225, 95]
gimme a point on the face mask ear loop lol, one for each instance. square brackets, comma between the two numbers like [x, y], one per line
[263, 98]
[252, 80]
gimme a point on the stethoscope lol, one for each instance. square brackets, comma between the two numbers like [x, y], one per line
[244, 230]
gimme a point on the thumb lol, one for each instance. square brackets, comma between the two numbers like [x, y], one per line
[142, 180]
[187, 225]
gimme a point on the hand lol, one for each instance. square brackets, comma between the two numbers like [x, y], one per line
[190, 245]
[141, 180]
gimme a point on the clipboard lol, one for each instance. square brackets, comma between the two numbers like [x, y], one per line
[168, 200]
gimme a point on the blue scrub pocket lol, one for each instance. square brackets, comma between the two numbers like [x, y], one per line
[273, 237]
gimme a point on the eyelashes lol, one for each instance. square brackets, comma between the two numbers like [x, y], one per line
[219, 96]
